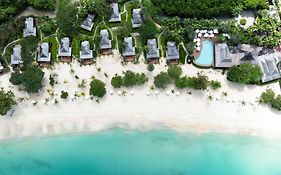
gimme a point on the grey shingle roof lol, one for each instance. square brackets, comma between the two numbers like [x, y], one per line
[86, 52]
[44, 54]
[16, 57]
[269, 68]
[137, 20]
[105, 42]
[172, 51]
[115, 16]
[153, 51]
[29, 29]
[88, 24]
[222, 56]
[129, 48]
[64, 48]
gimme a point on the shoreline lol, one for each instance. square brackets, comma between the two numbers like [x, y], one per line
[185, 112]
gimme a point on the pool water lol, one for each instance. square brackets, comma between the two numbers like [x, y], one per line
[206, 56]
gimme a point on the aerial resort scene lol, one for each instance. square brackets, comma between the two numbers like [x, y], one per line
[140, 87]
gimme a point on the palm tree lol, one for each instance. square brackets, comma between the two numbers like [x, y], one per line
[210, 97]
[225, 94]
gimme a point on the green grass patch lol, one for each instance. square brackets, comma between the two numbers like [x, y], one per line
[182, 54]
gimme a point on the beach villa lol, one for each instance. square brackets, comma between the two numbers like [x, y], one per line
[115, 16]
[86, 54]
[129, 50]
[105, 42]
[16, 56]
[88, 24]
[44, 57]
[172, 53]
[29, 29]
[153, 51]
[137, 20]
[64, 52]
[269, 68]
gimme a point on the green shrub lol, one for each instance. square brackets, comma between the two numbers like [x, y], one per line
[215, 84]
[32, 79]
[52, 80]
[162, 80]
[16, 78]
[267, 96]
[182, 82]
[243, 21]
[276, 103]
[175, 72]
[7, 100]
[116, 81]
[245, 74]
[198, 83]
[133, 79]
[97, 88]
[64, 94]
[150, 67]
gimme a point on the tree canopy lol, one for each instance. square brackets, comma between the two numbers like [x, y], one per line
[245, 74]
[97, 88]
[32, 79]
[7, 100]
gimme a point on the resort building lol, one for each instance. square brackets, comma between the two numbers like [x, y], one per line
[222, 56]
[64, 52]
[16, 56]
[30, 29]
[86, 54]
[105, 42]
[153, 51]
[88, 24]
[115, 16]
[44, 56]
[137, 20]
[227, 56]
[129, 49]
[173, 55]
[268, 66]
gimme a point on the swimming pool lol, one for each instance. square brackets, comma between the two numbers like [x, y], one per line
[206, 56]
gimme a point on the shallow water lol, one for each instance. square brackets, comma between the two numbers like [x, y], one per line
[158, 152]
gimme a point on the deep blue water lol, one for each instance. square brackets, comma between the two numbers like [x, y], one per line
[158, 152]
[206, 57]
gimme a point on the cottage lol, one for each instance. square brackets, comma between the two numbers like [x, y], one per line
[129, 49]
[137, 20]
[44, 56]
[268, 66]
[115, 16]
[105, 42]
[86, 54]
[64, 52]
[88, 24]
[173, 55]
[30, 29]
[153, 51]
[16, 56]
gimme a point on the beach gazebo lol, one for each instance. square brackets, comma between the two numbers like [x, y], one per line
[198, 48]
[216, 31]
[199, 35]
[206, 35]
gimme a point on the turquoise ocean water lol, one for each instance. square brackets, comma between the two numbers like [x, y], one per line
[156, 152]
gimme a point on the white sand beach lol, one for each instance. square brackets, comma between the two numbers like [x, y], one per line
[180, 111]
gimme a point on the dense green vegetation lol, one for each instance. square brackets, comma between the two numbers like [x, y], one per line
[129, 79]
[245, 74]
[162, 80]
[97, 88]
[199, 82]
[10, 8]
[64, 94]
[206, 9]
[269, 97]
[97, 7]
[31, 79]
[7, 100]
[67, 20]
